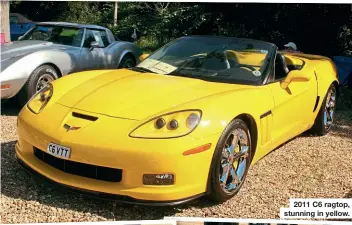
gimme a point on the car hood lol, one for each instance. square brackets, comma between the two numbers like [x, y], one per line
[11, 52]
[18, 48]
[132, 95]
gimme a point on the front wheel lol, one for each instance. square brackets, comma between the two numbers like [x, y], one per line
[325, 117]
[231, 161]
[39, 78]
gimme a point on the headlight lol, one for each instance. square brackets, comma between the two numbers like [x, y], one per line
[171, 125]
[37, 103]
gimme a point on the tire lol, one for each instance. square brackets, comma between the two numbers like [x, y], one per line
[325, 118]
[39, 77]
[127, 62]
[221, 191]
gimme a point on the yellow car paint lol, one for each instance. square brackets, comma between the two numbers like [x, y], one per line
[122, 100]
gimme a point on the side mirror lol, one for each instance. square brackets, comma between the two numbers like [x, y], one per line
[94, 44]
[143, 57]
[294, 75]
[19, 38]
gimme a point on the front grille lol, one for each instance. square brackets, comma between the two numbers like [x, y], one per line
[80, 169]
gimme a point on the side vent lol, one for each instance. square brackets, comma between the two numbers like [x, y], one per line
[316, 103]
[318, 98]
[266, 114]
[266, 121]
[83, 116]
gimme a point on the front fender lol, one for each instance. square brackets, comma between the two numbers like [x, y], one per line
[219, 110]
[19, 71]
[123, 54]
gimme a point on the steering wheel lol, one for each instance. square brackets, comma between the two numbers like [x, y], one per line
[252, 68]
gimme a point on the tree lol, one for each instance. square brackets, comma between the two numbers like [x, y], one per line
[5, 20]
[115, 13]
[316, 28]
[82, 12]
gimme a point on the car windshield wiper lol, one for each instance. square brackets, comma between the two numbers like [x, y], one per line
[181, 75]
[189, 75]
[141, 69]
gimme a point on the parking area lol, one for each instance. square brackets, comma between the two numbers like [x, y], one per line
[306, 167]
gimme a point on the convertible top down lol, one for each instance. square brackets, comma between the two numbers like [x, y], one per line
[189, 120]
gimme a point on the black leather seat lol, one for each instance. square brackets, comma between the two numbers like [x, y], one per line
[281, 69]
[216, 61]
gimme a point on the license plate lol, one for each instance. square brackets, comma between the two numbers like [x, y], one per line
[59, 150]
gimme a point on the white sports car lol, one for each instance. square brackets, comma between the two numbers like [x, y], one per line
[54, 49]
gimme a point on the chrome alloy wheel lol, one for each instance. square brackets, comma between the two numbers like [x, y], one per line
[329, 108]
[234, 160]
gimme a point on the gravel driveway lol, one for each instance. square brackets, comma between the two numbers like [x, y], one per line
[306, 167]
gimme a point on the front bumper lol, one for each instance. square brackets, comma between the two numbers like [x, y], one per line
[99, 143]
[15, 87]
[101, 195]
[15, 84]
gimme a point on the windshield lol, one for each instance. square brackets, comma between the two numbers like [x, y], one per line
[57, 34]
[231, 60]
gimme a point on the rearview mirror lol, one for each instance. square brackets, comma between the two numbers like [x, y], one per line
[294, 75]
[143, 57]
[94, 44]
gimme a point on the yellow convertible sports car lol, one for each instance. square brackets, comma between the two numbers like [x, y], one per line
[188, 121]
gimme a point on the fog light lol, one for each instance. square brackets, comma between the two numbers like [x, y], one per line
[158, 179]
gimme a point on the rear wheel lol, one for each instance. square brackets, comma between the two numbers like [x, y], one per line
[39, 78]
[231, 161]
[325, 117]
[127, 62]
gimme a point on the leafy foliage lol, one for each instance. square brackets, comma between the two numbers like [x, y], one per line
[316, 28]
[82, 12]
[345, 40]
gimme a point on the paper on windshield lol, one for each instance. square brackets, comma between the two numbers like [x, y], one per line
[157, 66]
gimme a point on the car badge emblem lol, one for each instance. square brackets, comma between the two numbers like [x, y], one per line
[68, 127]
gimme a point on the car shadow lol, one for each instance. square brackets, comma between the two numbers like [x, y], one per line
[342, 125]
[349, 194]
[10, 107]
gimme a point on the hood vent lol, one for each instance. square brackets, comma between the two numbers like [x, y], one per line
[83, 116]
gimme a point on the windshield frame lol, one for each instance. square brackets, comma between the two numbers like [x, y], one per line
[265, 69]
[22, 38]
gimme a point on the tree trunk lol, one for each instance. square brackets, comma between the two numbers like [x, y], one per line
[115, 14]
[5, 19]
